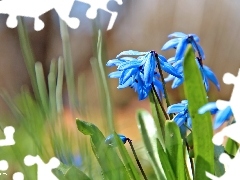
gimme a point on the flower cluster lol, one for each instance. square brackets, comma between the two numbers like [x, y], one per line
[180, 43]
[182, 113]
[139, 71]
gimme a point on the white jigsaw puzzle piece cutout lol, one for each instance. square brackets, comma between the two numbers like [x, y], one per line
[101, 4]
[44, 170]
[18, 176]
[231, 131]
[3, 165]
[36, 8]
[8, 132]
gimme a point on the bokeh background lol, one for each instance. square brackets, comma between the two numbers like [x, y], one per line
[141, 25]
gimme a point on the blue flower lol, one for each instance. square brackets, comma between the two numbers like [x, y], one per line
[206, 72]
[110, 139]
[181, 41]
[182, 113]
[139, 73]
[221, 116]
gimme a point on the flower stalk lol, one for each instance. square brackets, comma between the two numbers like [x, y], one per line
[137, 160]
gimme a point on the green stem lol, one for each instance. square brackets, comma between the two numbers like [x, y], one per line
[135, 156]
[163, 82]
[162, 123]
[160, 103]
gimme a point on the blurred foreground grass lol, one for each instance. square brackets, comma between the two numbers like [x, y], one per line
[45, 126]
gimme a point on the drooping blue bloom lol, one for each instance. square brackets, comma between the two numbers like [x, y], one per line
[140, 73]
[221, 116]
[181, 109]
[207, 74]
[110, 139]
[181, 41]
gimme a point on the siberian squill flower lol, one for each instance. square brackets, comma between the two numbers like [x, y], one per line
[139, 72]
[221, 116]
[181, 109]
[206, 72]
[181, 41]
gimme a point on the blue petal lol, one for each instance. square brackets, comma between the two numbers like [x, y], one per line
[211, 76]
[115, 62]
[180, 118]
[131, 53]
[179, 66]
[126, 74]
[185, 102]
[197, 47]
[207, 107]
[181, 47]
[177, 82]
[149, 68]
[169, 78]
[176, 108]
[130, 64]
[201, 51]
[127, 83]
[222, 116]
[158, 84]
[169, 69]
[171, 60]
[143, 92]
[177, 34]
[170, 44]
[116, 74]
[162, 58]
[205, 81]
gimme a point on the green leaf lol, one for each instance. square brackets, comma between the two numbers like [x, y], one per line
[201, 124]
[165, 162]
[71, 173]
[111, 164]
[174, 149]
[42, 88]
[149, 134]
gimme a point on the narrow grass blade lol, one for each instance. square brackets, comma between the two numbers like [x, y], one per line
[69, 72]
[52, 89]
[201, 124]
[111, 164]
[42, 88]
[28, 55]
[149, 134]
[59, 87]
[174, 149]
[106, 100]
